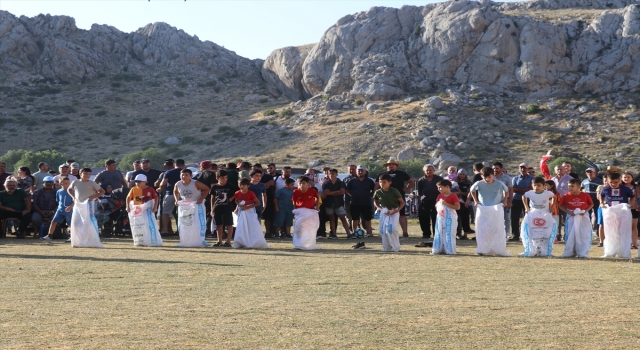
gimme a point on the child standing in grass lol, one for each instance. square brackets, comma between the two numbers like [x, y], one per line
[283, 205]
[389, 201]
[444, 240]
[490, 198]
[550, 186]
[578, 227]
[222, 196]
[65, 206]
[538, 226]
[307, 204]
[248, 230]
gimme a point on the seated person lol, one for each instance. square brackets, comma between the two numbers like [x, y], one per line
[44, 203]
[15, 203]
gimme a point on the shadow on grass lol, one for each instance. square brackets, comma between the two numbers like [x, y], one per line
[91, 258]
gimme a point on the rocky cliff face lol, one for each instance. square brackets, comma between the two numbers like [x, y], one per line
[384, 53]
[55, 48]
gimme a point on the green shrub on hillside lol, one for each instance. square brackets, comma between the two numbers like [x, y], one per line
[533, 109]
[577, 165]
[155, 156]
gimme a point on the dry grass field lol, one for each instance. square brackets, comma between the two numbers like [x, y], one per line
[53, 296]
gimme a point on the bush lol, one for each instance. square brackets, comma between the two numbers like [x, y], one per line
[286, 113]
[269, 112]
[126, 77]
[358, 102]
[116, 85]
[178, 93]
[533, 109]
[262, 122]
[155, 156]
[101, 113]
[412, 167]
[11, 157]
[577, 166]
[326, 97]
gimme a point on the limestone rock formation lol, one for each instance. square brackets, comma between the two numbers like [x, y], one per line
[55, 48]
[282, 71]
[385, 53]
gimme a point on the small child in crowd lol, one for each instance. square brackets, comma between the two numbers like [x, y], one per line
[550, 186]
[444, 240]
[307, 204]
[65, 206]
[283, 205]
[577, 234]
[389, 201]
[539, 226]
[222, 197]
[248, 230]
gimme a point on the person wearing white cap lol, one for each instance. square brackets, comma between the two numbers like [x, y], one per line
[521, 185]
[64, 172]
[75, 169]
[142, 193]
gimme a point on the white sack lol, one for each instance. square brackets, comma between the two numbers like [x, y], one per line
[617, 231]
[388, 228]
[248, 230]
[577, 235]
[305, 228]
[192, 223]
[84, 227]
[444, 239]
[143, 225]
[490, 234]
[538, 231]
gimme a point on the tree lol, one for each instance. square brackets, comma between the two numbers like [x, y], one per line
[577, 166]
[11, 157]
[32, 158]
[155, 156]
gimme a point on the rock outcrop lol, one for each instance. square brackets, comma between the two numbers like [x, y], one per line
[55, 48]
[385, 53]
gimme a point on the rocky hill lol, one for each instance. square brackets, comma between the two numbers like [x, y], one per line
[460, 79]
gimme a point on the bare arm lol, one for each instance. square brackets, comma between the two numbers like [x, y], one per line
[409, 186]
[204, 191]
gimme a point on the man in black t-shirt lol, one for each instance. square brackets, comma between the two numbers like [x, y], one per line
[398, 180]
[428, 193]
[268, 179]
[222, 203]
[334, 190]
[208, 178]
[151, 174]
[171, 177]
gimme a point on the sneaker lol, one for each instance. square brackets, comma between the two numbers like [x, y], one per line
[68, 240]
[470, 231]
[320, 237]
[333, 237]
[47, 239]
[358, 245]
[284, 235]
[352, 236]
[514, 239]
[405, 235]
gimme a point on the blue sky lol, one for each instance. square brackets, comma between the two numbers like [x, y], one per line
[250, 28]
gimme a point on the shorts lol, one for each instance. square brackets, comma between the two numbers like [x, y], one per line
[168, 204]
[635, 214]
[361, 211]
[338, 211]
[283, 218]
[61, 216]
[599, 220]
[223, 216]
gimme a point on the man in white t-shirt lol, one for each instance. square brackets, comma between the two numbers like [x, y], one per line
[65, 171]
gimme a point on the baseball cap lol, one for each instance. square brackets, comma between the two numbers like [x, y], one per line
[140, 178]
[361, 167]
[145, 160]
[75, 166]
[63, 166]
[523, 165]
[48, 179]
[205, 164]
[591, 169]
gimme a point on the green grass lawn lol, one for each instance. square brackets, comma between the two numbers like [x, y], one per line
[53, 296]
